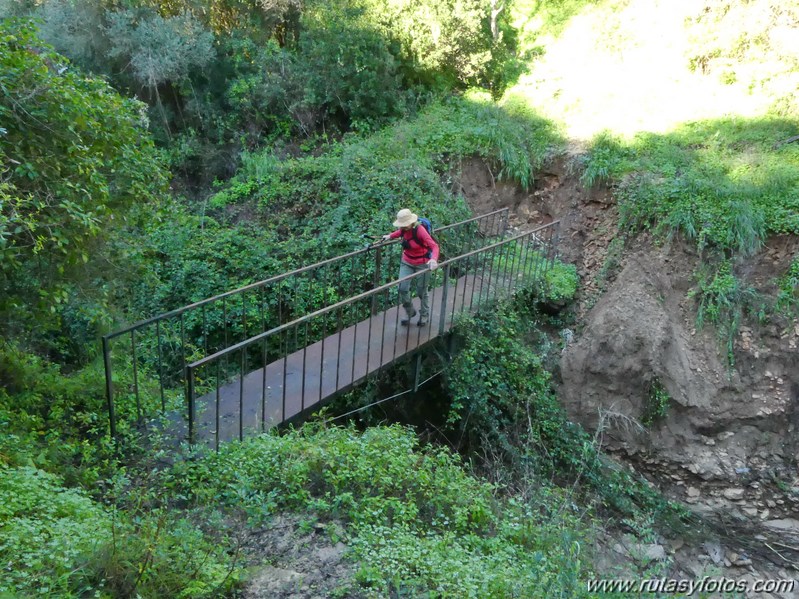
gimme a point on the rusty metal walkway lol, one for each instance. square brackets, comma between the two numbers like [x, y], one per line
[303, 380]
[255, 357]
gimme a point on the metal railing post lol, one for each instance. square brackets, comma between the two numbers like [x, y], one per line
[241, 393]
[376, 278]
[216, 414]
[190, 377]
[135, 373]
[160, 365]
[109, 387]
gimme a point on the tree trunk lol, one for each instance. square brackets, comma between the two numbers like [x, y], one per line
[495, 10]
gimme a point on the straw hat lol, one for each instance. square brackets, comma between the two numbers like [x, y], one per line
[405, 218]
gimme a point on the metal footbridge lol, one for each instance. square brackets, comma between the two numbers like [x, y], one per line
[267, 353]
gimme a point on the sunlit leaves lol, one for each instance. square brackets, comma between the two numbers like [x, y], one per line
[160, 49]
[73, 151]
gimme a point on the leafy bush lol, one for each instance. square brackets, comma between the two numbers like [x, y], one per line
[376, 477]
[560, 282]
[416, 521]
[62, 418]
[48, 531]
[159, 49]
[58, 542]
[158, 554]
[265, 91]
[446, 44]
[491, 396]
[349, 72]
[190, 258]
[59, 420]
[77, 157]
[503, 405]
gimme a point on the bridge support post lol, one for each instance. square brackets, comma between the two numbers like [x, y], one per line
[450, 347]
[109, 388]
[417, 372]
[190, 391]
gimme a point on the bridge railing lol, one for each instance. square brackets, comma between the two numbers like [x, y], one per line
[145, 363]
[299, 364]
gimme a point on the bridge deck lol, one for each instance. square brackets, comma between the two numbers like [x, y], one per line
[310, 376]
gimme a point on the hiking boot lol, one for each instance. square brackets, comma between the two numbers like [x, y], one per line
[406, 321]
[422, 322]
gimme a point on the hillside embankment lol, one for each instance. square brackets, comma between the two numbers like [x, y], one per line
[724, 437]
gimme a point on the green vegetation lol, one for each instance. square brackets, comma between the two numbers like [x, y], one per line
[58, 542]
[560, 282]
[46, 531]
[721, 184]
[788, 295]
[288, 129]
[415, 521]
[504, 404]
[235, 75]
[605, 161]
[657, 403]
[722, 301]
[76, 158]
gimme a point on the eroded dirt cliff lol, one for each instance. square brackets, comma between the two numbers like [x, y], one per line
[725, 439]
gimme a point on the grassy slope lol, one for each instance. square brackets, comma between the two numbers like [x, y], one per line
[628, 66]
[683, 108]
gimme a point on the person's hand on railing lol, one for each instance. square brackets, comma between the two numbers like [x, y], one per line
[432, 264]
[375, 239]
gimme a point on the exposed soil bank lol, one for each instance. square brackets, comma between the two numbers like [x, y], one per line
[727, 439]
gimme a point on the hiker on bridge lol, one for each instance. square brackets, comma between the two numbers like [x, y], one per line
[419, 252]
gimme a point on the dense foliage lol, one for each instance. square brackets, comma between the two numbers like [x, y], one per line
[290, 129]
[504, 406]
[229, 75]
[416, 522]
[76, 158]
[315, 206]
[58, 542]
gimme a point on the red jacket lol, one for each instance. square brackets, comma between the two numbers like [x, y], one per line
[416, 249]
